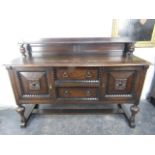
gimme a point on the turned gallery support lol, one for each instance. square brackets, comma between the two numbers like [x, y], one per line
[25, 50]
[129, 49]
[22, 50]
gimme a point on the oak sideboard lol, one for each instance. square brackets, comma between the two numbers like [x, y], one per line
[76, 71]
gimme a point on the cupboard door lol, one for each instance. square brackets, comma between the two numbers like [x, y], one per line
[120, 84]
[33, 84]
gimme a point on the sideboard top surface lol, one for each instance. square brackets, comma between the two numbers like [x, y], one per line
[85, 60]
[83, 40]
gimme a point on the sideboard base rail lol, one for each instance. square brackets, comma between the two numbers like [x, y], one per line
[25, 112]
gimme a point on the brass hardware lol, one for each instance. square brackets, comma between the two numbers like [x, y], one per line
[50, 87]
[88, 74]
[88, 92]
[66, 92]
[65, 75]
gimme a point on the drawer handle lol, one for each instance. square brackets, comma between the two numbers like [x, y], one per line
[65, 75]
[50, 87]
[66, 93]
[88, 93]
[88, 74]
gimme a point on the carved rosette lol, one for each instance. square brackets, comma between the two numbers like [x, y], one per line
[34, 85]
[120, 84]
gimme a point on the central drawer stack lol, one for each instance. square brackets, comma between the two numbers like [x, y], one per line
[77, 83]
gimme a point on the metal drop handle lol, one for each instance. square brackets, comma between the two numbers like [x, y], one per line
[65, 75]
[50, 87]
[88, 74]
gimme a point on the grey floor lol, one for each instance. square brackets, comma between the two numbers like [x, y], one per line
[80, 124]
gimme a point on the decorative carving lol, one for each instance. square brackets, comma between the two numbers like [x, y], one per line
[22, 50]
[134, 110]
[8, 67]
[34, 85]
[29, 50]
[130, 49]
[119, 95]
[21, 109]
[120, 84]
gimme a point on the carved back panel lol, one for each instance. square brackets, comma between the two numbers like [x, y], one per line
[77, 46]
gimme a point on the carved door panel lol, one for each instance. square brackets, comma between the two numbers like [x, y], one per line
[120, 84]
[33, 84]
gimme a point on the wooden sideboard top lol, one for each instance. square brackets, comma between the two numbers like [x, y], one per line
[85, 60]
[83, 40]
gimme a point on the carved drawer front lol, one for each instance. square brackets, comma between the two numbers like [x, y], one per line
[120, 83]
[73, 73]
[77, 93]
[33, 84]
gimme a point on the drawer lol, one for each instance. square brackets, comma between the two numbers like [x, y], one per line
[77, 92]
[72, 73]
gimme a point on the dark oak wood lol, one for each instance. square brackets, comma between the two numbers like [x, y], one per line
[151, 94]
[25, 113]
[72, 73]
[77, 71]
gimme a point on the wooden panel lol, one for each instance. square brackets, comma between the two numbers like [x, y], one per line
[73, 73]
[120, 83]
[65, 49]
[101, 48]
[53, 49]
[33, 84]
[77, 92]
[66, 46]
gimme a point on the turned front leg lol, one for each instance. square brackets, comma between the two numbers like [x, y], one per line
[21, 110]
[134, 110]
